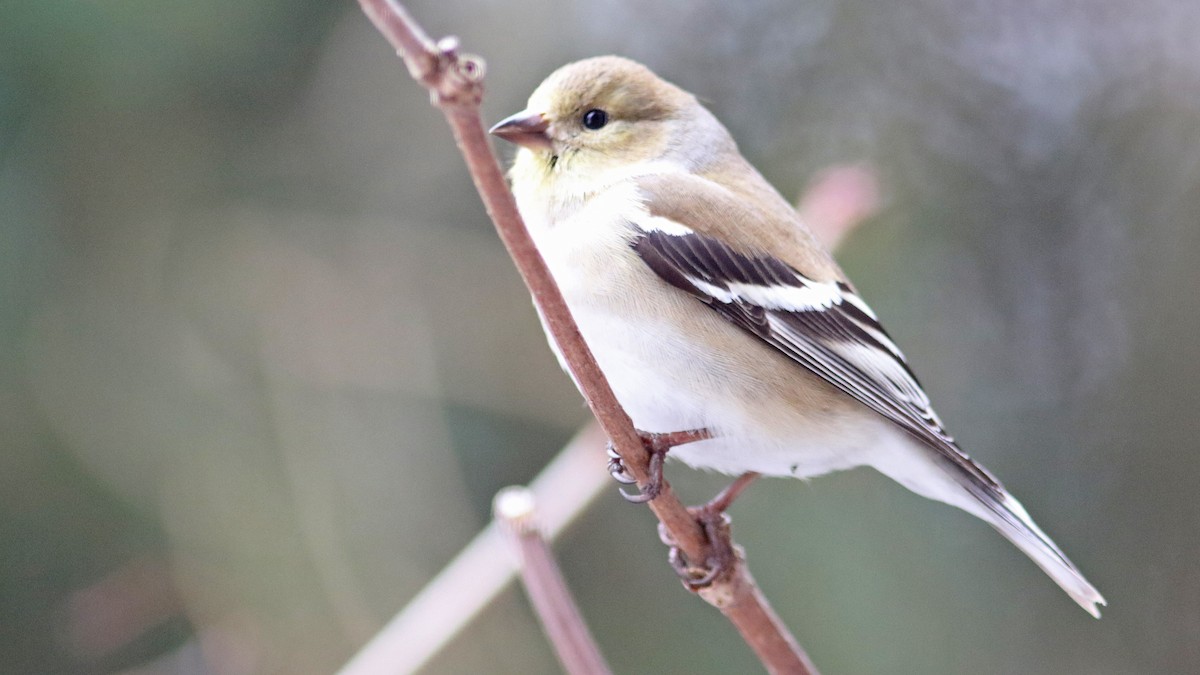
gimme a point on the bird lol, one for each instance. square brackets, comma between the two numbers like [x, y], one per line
[714, 313]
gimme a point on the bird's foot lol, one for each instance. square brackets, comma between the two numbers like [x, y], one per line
[726, 497]
[658, 445]
[715, 521]
[616, 467]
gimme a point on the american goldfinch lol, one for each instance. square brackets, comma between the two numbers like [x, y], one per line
[709, 306]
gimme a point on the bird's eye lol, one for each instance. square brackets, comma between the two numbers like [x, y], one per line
[594, 119]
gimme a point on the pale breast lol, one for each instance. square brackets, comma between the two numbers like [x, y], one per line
[675, 365]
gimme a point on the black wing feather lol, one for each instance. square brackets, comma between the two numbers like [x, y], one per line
[823, 339]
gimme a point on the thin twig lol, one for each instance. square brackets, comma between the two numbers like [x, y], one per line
[456, 84]
[475, 576]
[515, 509]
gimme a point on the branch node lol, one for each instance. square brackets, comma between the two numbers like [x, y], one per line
[452, 78]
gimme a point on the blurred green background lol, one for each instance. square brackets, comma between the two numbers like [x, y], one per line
[263, 361]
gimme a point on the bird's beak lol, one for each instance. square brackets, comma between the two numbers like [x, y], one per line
[526, 129]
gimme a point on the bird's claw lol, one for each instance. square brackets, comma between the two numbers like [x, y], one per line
[654, 479]
[658, 445]
[721, 556]
[616, 468]
[715, 521]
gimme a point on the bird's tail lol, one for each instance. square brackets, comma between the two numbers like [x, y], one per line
[979, 494]
[1010, 518]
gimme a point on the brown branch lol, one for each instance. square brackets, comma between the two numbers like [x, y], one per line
[455, 82]
[515, 509]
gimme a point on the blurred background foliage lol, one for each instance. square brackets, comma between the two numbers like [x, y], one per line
[264, 362]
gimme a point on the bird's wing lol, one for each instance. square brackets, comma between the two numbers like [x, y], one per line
[821, 325]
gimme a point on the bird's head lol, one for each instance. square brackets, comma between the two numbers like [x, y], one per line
[605, 114]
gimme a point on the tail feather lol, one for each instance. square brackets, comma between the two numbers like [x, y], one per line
[1010, 519]
[924, 473]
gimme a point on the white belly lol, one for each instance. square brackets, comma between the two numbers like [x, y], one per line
[668, 380]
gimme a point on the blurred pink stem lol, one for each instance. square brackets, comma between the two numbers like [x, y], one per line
[470, 581]
[516, 510]
[837, 199]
